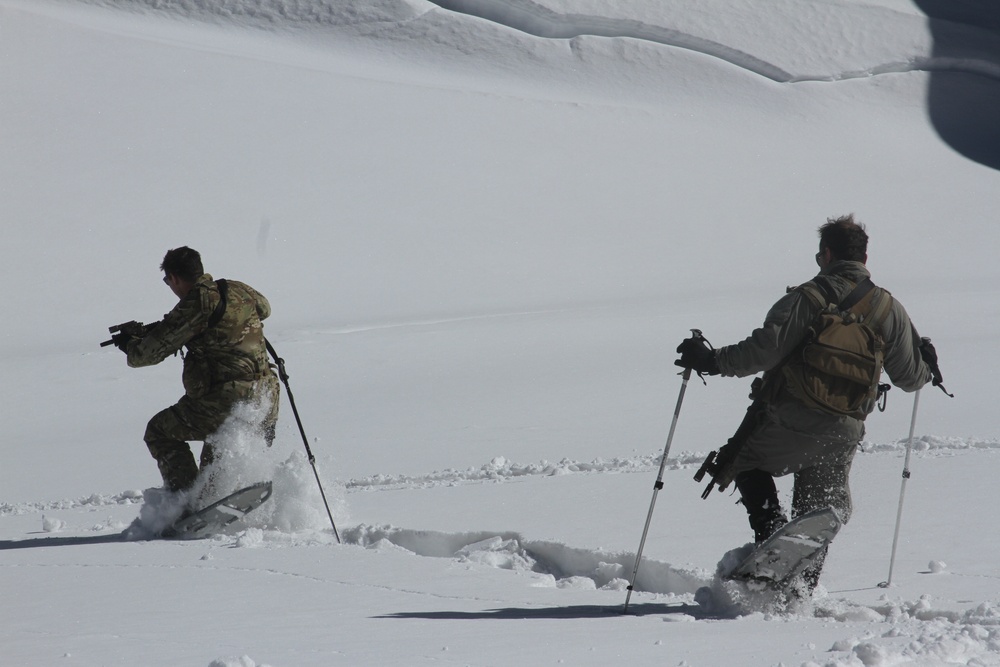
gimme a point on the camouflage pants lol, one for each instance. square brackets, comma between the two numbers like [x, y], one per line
[197, 419]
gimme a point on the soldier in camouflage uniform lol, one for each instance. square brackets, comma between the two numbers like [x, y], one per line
[791, 437]
[225, 363]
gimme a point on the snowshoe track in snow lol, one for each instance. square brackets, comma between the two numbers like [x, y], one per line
[565, 566]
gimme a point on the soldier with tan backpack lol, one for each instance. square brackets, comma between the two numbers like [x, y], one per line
[821, 349]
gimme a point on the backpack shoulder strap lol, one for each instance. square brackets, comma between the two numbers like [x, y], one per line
[864, 301]
[878, 307]
[815, 292]
[859, 292]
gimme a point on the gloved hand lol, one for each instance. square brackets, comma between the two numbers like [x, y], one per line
[929, 355]
[121, 341]
[697, 355]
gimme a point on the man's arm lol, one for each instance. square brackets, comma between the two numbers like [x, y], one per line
[903, 363]
[784, 327]
[180, 325]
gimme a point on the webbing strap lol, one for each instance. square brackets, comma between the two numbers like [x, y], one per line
[278, 361]
[856, 295]
[875, 314]
[220, 309]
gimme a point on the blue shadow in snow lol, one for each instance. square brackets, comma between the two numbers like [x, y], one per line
[555, 613]
[37, 542]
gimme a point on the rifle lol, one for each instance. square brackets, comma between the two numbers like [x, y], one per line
[127, 330]
[718, 463]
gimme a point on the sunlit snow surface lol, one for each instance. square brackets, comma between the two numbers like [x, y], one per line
[483, 228]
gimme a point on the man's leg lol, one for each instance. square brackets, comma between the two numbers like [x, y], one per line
[824, 484]
[269, 391]
[759, 496]
[167, 436]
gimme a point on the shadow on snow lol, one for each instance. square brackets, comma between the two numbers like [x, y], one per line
[38, 542]
[553, 613]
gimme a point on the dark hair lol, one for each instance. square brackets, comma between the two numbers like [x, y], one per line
[183, 262]
[845, 238]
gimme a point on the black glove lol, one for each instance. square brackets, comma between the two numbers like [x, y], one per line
[697, 355]
[121, 341]
[927, 352]
[929, 355]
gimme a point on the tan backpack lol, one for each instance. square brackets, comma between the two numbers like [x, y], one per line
[837, 366]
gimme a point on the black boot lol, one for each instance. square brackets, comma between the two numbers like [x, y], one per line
[760, 497]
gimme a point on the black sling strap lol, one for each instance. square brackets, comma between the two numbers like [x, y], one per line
[219, 312]
[220, 309]
[856, 295]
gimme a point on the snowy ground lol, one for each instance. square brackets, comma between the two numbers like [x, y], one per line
[483, 228]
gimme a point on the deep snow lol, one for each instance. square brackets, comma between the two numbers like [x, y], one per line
[482, 244]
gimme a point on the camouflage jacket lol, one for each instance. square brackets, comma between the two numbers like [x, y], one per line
[785, 326]
[231, 351]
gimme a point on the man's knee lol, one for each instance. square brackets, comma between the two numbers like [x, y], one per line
[155, 430]
[165, 425]
[178, 422]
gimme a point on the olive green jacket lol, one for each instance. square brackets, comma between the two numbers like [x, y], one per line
[785, 326]
[233, 350]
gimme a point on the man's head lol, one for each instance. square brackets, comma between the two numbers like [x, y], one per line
[842, 239]
[182, 268]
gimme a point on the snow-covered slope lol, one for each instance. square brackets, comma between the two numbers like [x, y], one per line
[483, 228]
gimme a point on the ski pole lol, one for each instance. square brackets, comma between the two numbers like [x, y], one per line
[902, 489]
[686, 375]
[283, 374]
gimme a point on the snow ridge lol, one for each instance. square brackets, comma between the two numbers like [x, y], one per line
[924, 64]
[528, 17]
[280, 13]
[501, 469]
[132, 497]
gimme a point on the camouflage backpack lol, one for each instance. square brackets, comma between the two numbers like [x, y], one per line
[837, 367]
